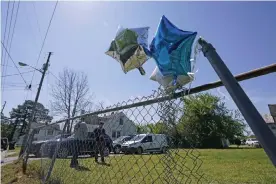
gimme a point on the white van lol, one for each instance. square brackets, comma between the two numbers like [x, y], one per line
[146, 143]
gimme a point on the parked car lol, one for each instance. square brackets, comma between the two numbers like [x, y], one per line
[117, 144]
[146, 143]
[252, 142]
[87, 147]
[36, 145]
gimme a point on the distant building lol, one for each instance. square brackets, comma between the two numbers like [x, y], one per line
[115, 125]
[272, 109]
[45, 133]
[270, 122]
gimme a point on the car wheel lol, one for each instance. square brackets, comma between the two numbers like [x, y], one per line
[63, 152]
[164, 150]
[139, 151]
[106, 151]
[117, 150]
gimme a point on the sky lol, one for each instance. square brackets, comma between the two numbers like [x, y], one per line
[243, 34]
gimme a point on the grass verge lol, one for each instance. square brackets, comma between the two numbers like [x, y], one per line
[223, 166]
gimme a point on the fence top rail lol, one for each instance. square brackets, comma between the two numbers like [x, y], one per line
[240, 77]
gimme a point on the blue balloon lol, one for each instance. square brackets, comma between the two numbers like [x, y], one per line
[171, 48]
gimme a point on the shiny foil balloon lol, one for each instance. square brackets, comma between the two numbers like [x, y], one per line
[171, 48]
[130, 48]
[168, 81]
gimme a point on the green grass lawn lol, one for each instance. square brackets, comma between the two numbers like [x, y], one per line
[14, 152]
[183, 166]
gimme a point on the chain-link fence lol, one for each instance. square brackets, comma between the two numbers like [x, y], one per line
[139, 145]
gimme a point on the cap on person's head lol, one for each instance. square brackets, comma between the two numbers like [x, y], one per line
[101, 122]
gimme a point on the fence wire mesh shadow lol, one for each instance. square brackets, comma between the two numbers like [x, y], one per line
[145, 158]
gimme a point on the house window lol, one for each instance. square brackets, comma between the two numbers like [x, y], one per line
[148, 139]
[36, 131]
[121, 121]
[118, 134]
[113, 134]
[50, 132]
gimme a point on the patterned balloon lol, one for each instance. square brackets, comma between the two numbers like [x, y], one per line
[130, 48]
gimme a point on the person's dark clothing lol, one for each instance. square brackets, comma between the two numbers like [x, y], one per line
[99, 150]
[100, 143]
[98, 132]
[75, 153]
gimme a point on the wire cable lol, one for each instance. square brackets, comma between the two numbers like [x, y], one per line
[16, 74]
[37, 22]
[44, 39]
[9, 31]
[7, 16]
[13, 30]
[14, 63]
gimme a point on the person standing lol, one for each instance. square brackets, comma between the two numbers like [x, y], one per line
[80, 135]
[100, 142]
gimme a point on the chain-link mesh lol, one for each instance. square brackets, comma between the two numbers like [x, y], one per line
[130, 150]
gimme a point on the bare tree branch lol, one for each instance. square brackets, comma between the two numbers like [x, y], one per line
[71, 95]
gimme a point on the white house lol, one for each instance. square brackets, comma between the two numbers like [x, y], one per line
[115, 125]
[270, 123]
[44, 133]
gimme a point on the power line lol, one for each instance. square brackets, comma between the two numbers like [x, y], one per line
[44, 39]
[5, 61]
[18, 5]
[7, 16]
[7, 65]
[37, 22]
[16, 74]
[13, 62]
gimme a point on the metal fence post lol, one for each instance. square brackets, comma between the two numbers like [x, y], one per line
[27, 150]
[248, 110]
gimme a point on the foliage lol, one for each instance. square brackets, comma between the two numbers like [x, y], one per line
[6, 129]
[204, 122]
[23, 115]
[206, 118]
[238, 142]
[25, 112]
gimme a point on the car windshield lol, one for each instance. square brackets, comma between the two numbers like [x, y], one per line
[254, 139]
[72, 136]
[137, 138]
[59, 136]
[119, 139]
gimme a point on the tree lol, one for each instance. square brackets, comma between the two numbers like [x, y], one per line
[6, 128]
[206, 120]
[169, 112]
[70, 95]
[23, 115]
[24, 111]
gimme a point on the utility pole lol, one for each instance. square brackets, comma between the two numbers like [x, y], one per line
[27, 136]
[3, 107]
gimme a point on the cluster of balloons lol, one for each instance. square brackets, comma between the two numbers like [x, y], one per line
[171, 49]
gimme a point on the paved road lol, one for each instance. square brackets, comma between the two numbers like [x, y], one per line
[9, 160]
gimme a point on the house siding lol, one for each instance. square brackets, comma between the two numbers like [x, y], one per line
[112, 123]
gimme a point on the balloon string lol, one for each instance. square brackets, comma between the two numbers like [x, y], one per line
[141, 70]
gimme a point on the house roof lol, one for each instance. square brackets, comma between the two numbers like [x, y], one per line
[95, 119]
[268, 118]
[35, 125]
